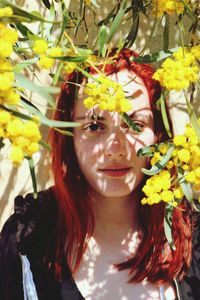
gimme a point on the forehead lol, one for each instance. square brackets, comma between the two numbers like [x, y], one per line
[133, 87]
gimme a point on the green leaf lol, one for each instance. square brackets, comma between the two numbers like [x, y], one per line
[64, 132]
[117, 20]
[65, 17]
[164, 115]
[48, 26]
[46, 3]
[44, 120]
[22, 13]
[150, 58]
[33, 176]
[1, 143]
[57, 74]
[103, 35]
[45, 145]
[161, 164]
[130, 122]
[44, 92]
[168, 225]
[24, 64]
[166, 33]
[24, 30]
[94, 3]
[130, 39]
[72, 58]
[145, 151]
[185, 186]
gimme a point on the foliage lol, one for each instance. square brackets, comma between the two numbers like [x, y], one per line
[53, 47]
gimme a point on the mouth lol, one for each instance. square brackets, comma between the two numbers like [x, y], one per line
[116, 172]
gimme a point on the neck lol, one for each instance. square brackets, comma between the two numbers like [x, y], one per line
[115, 218]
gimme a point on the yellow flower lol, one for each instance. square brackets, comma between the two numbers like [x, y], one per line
[5, 117]
[5, 49]
[16, 155]
[107, 94]
[179, 140]
[45, 62]
[190, 176]
[31, 131]
[195, 50]
[178, 193]
[156, 157]
[163, 148]
[6, 80]
[167, 6]
[184, 155]
[40, 46]
[5, 66]
[169, 164]
[15, 127]
[32, 148]
[167, 196]
[55, 51]
[6, 12]
[70, 67]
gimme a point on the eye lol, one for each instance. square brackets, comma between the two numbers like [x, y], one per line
[139, 124]
[93, 127]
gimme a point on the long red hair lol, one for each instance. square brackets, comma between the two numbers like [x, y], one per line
[155, 260]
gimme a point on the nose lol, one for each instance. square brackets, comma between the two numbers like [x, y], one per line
[115, 146]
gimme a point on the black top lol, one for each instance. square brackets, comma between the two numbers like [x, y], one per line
[31, 230]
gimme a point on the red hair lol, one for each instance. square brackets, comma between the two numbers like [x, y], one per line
[155, 260]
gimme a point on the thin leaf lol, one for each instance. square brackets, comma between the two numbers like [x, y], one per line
[65, 17]
[45, 145]
[185, 186]
[166, 33]
[44, 92]
[1, 143]
[48, 26]
[24, 30]
[94, 3]
[33, 176]
[57, 74]
[64, 132]
[117, 20]
[46, 3]
[150, 58]
[130, 39]
[130, 122]
[164, 115]
[22, 13]
[145, 151]
[161, 164]
[24, 64]
[72, 58]
[168, 225]
[103, 35]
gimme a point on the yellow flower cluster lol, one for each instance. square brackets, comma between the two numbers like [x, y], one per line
[167, 6]
[8, 38]
[6, 12]
[186, 155]
[158, 188]
[178, 73]
[23, 135]
[107, 94]
[46, 54]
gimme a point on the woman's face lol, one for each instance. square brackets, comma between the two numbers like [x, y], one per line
[107, 151]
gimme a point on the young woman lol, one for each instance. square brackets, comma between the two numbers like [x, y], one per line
[88, 236]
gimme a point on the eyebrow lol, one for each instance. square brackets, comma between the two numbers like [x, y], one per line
[90, 118]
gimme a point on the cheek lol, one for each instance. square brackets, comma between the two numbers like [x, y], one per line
[88, 151]
[147, 138]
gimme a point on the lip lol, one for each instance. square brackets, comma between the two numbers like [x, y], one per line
[116, 171]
